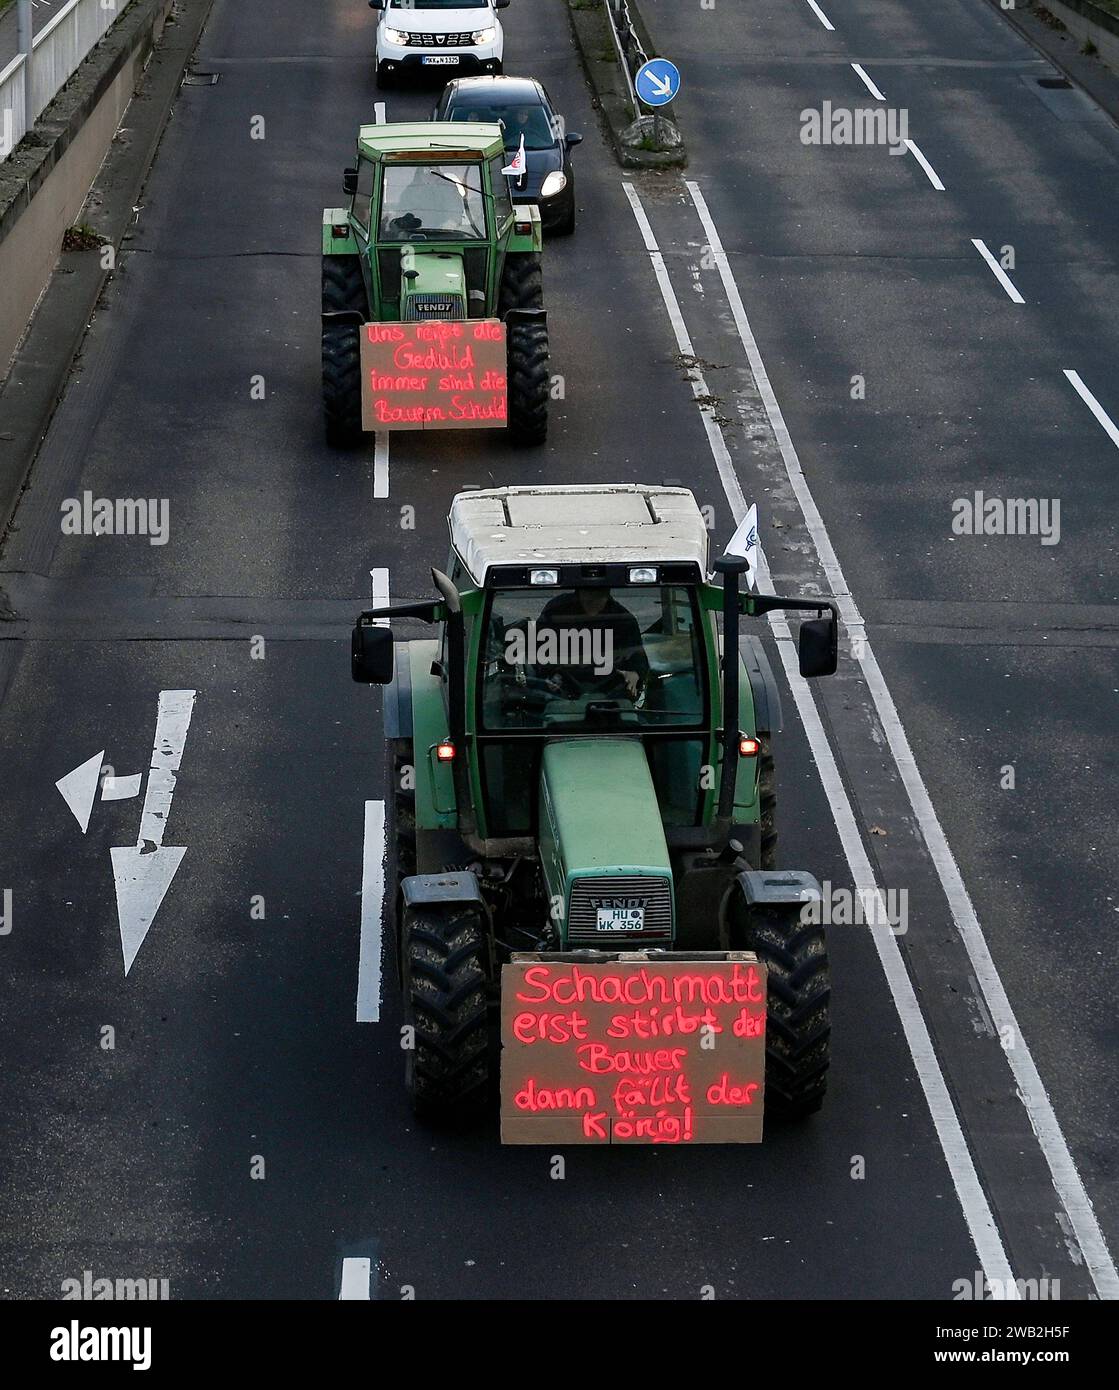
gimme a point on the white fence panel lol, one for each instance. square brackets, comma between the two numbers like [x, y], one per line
[12, 105]
[62, 46]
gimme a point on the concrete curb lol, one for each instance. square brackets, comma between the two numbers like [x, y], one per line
[591, 29]
[1062, 46]
[42, 363]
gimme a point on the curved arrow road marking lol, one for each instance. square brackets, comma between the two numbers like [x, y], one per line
[143, 873]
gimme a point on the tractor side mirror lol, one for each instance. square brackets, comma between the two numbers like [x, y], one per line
[572, 138]
[818, 647]
[501, 4]
[376, 4]
[371, 654]
[349, 181]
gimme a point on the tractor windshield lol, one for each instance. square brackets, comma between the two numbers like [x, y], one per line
[593, 660]
[433, 202]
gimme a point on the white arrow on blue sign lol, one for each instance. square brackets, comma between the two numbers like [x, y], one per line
[657, 82]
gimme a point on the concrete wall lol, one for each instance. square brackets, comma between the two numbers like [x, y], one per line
[1085, 21]
[58, 171]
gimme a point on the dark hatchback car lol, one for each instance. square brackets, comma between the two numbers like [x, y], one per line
[522, 107]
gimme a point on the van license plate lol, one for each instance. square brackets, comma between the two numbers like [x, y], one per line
[620, 919]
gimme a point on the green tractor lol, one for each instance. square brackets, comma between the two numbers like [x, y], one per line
[564, 775]
[432, 298]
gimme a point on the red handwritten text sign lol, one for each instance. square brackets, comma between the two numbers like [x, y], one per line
[434, 375]
[632, 1050]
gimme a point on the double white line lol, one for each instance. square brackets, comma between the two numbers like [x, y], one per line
[1031, 1089]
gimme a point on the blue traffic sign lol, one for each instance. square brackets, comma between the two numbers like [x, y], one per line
[657, 82]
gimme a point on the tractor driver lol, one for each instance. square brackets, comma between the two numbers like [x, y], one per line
[597, 645]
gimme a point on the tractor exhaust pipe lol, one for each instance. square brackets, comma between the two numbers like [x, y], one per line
[730, 567]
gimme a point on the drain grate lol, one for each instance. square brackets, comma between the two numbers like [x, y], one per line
[200, 79]
[1054, 82]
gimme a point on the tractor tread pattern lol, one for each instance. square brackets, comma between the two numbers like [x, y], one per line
[342, 289]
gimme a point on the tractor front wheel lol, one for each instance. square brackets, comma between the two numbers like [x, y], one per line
[529, 381]
[445, 975]
[798, 1027]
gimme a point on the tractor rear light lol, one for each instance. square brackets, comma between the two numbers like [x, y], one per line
[643, 574]
[340, 230]
[748, 747]
[445, 751]
[524, 228]
[543, 577]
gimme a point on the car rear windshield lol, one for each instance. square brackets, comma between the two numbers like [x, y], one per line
[530, 121]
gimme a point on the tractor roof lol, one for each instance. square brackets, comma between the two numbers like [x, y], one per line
[482, 138]
[603, 524]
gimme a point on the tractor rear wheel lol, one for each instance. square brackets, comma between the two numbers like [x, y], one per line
[529, 381]
[445, 976]
[343, 290]
[798, 1027]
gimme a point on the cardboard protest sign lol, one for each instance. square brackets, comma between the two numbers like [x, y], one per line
[434, 375]
[633, 1049]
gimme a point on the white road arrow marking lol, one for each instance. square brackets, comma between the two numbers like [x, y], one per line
[121, 788]
[143, 874]
[79, 788]
[356, 1275]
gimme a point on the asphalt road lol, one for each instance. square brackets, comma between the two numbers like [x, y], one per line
[244, 1134]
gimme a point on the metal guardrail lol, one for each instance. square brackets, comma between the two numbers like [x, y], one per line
[33, 79]
[630, 51]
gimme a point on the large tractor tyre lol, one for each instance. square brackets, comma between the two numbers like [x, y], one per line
[798, 1026]
[400, 837]
[343, 290]
[447, 1071]
[522, 283]
[767, 804]
[529, 382]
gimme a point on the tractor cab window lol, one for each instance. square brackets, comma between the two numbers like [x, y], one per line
[366, 171]
[593, 660]
[502, 199]
[433, 202]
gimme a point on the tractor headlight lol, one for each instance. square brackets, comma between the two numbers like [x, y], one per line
[543, 577]
[397, 36]
[484, 35]
[643, 574]
[555, 183]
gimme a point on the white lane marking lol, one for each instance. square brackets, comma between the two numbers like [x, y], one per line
[355, 1279]
[1094, 406]
[379, 112]
[143, 874]
[121, 788]
[871, 88]
[821, 16]
[379, 585]
[79, 788]
[973, 1200]
[372, 907]
[1031, 1089]
[997, 270]
[381, 464]
[924, 163]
